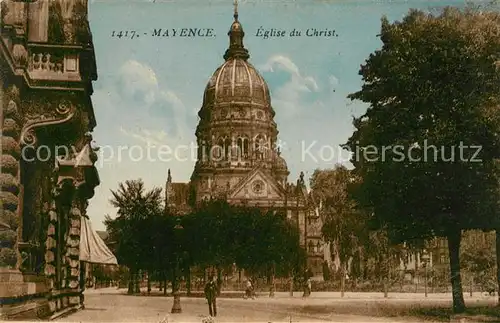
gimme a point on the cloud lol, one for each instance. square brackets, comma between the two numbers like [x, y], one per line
[174, 101]
[139, 74]
[333, 81]
[138, 96]
[290, 95]
[149, 137]
[280, 62]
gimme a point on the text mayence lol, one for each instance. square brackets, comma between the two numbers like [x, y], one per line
[279, 33]
[183, 32]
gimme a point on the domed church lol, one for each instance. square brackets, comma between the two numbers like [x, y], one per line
[238, 158]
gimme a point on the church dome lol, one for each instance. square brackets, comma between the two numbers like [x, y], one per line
[280, 162]
[237, 80]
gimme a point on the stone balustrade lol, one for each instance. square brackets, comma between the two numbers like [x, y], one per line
[46, 65]
[43, 62]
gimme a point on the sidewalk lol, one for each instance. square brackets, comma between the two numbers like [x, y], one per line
[113, 305]
[366, 296]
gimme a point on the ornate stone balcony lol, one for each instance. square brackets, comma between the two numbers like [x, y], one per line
[46, 62]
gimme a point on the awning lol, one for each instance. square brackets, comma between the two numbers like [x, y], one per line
[92, 247]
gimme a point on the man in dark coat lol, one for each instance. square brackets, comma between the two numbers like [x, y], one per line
[211, 296]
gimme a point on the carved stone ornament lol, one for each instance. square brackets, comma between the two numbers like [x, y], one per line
[11, 107]
[258, 186]
[19, 54]
[62, 113]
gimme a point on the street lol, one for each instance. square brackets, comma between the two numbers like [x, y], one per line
[112, 305]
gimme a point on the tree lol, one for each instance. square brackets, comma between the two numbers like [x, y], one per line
[128, 229]
[208, 229]
[346, 226]
[479, 261]
[159, 248]
[261, 242]
[343, 224]
[433, 92]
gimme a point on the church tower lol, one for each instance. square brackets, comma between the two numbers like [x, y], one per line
[237, 134]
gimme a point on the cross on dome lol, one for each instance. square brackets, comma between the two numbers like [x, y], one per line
[236, 34]
[235, 3]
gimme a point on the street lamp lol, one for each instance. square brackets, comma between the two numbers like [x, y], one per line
[425, 258]
[176, 307]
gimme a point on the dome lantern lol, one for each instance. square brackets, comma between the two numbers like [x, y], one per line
[236, 48]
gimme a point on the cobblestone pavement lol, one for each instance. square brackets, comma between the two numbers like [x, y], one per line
[112, 305]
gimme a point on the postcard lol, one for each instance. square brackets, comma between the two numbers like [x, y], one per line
[250, 160]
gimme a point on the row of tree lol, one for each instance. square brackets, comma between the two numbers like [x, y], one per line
[214, 235]
[368, 251]
[433, 91]
[352, 237]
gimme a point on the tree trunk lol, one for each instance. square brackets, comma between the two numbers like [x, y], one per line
[165, 285]
[219, 280]
[342, 278]
[385, 273]
[137, 282]
[161, 283]
[365, 270]
[454, 239]
[378, 269]
[471, 285]
[291, 285]
[130, 282]
[498, 263]
[273, 283]
[188, 281]
[149, 283]
[416, 279]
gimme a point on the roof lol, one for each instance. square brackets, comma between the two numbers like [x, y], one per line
[92, 247]
[103, 235]
[179, 193]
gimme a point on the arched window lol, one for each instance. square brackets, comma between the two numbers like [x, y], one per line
[245, 147]
[203, 149]
[242, 144]
[239, 145]
[217, 150]
[227, 147]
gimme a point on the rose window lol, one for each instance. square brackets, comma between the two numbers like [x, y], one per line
[258, 187]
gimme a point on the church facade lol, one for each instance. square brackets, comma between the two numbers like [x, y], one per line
[238, 156]
[47, 172]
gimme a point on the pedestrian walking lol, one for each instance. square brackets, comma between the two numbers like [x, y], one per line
[211, 296]
[249, 290]
[307, 288]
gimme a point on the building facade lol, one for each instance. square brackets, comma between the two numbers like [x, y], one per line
[47, 162]
[238, 157]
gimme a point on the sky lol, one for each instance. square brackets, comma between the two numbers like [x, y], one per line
[150, 89]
